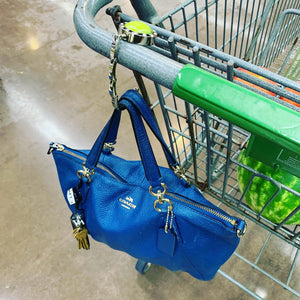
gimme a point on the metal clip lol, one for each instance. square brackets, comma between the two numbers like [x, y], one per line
[109, 147]
[180, 172]
[85, 173]
[162, 201]
[160, 198]
[132, 32]
[56, 146]
[160, 194]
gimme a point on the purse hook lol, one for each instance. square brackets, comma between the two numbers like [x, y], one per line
[135, 32]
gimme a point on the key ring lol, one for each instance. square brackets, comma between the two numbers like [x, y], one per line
[135, 32]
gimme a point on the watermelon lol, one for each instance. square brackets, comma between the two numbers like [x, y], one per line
[261, 190]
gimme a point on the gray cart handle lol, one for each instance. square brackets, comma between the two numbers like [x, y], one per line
[138, 58]
[221, 97]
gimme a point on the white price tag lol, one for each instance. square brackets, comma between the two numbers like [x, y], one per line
[70, 196]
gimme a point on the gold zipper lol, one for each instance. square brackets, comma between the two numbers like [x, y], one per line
[61, 148]
[232, 221]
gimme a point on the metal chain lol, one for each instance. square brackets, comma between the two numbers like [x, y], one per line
[112, 70]
[169, 221]
[131, 37]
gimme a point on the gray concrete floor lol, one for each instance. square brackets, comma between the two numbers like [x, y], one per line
[53, 88]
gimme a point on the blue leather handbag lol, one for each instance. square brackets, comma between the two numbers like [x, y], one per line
[151, 212]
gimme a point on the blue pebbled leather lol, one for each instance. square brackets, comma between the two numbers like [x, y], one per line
[119, 210]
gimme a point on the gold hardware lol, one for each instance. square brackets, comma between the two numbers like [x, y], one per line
[180, 172]
[85, 173]
[160, 198]
[109, 146]
[159, 193]
[161, 201]
[56, 146]
[135, 32]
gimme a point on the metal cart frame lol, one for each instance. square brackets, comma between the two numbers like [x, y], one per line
[205, 135]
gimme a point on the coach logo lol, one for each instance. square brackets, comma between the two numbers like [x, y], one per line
[127, 203]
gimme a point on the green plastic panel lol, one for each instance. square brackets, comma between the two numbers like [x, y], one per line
[274, 155]
[240, 106]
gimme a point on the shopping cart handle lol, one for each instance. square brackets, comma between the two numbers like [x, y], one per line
[238, 105]
[234, 103]
[139, 58]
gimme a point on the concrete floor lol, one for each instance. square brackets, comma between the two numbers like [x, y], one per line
[53, 88]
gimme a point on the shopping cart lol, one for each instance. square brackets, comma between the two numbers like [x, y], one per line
[213, 55]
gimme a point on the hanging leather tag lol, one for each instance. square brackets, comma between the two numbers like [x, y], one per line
[166, 241]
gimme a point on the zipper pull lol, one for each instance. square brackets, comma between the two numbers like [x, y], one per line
[166, 237]
[55, 146]
[169, 220]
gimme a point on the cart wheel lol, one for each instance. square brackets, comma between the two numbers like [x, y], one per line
[142, 266]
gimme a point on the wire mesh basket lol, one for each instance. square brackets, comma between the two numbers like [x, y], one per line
[251, 51]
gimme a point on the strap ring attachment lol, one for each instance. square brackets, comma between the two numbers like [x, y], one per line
[85, 172]
[160, 198]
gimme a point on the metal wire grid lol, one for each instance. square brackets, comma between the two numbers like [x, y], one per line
[195, 136]
[208, 148]
[210, 155]
[240, 28]
[186, 50]
[205, 145]
[284, 38]
[281, 63]
[192, 131]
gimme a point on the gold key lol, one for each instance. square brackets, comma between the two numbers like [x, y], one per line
[81, 234]
[80, 231]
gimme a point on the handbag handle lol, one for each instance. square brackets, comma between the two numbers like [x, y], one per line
[147, 157]
[140, 104]
[136, 107]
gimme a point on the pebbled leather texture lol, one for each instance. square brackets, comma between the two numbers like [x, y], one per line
[119, 210]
